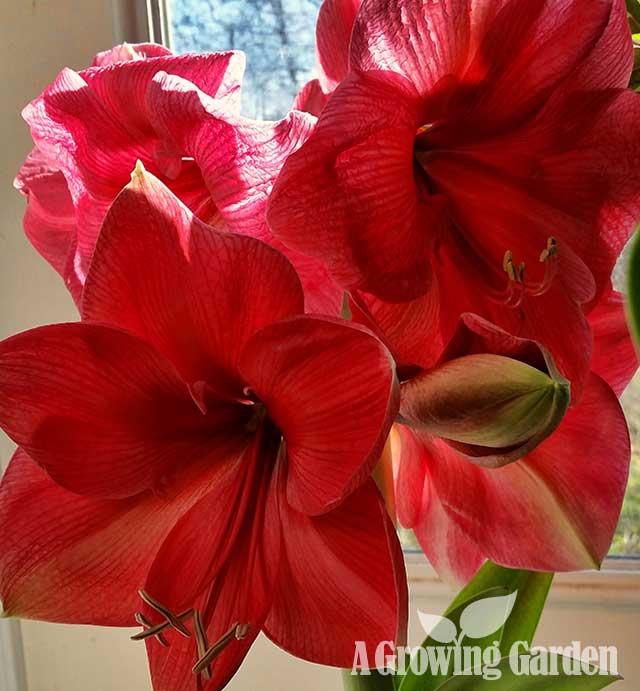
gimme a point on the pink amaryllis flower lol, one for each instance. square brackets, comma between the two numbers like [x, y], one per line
[91, 127]
[550, 505]
[195, 437]
[478, 156]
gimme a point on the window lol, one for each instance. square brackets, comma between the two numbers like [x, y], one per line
[278, 37]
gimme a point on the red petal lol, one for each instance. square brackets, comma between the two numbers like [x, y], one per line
[610, 62]
[203, 295]
[409, 329]
[614, 354]
[334, 429]
[311, 98]
[50, 220]
[129, 51]
[333, 33]
[354, 586]
[226, 552]
[239, 159]
[507, 54]
[327, 202]
[557, 509]
[79, 560]
[104, 413]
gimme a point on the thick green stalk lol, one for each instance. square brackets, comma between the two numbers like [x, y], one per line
[373, 682]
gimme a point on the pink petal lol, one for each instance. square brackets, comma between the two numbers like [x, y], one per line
[614, 354]
[50, 221]
[201, 298]
[239, 160]
[104, 413]
[334, 428]
[333, 33]
[129, 51]
[422, 41]
[354, 586]
[557, 509]
[93, 126]
[327, 202]
[79, 560]
[123, 90]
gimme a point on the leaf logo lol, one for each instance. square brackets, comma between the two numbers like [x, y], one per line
[440, 629]
[484, 617]
[478, 620]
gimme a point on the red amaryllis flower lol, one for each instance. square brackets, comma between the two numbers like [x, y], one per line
[91, 127]
[194, 437]
[554, 508]
[478, 154]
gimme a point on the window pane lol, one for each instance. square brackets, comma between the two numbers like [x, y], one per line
[278, 37]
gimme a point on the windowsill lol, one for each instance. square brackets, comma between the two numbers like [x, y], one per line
[617, 583]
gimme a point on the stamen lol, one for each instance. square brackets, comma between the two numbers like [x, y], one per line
[147, 625]
[518, 287]
[237, 632]
[155, 629]
[201, 642]
[171, 618]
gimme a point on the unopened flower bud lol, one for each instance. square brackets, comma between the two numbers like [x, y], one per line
[492, 408]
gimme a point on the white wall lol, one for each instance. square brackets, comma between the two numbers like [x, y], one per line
[37, 38]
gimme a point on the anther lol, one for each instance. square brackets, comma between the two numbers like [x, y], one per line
[172, 619]
[237, 632]
[156, 629]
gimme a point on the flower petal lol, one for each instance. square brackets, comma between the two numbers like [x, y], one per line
[201, 297]
[327, 201]
[614, 355]
[79, 560]
[94, 125]
[104, 413]
[50, 221]
[227, 548]
[123, 89]
[509, 52]
[557, 509]
[334, 430]
[240, 160]
[129, 51]
[311, 98]
[452, 554]
[333, 33]
[354, 586]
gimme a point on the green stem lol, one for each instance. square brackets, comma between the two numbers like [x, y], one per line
[369, 682]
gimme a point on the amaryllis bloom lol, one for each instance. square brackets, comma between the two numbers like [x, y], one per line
[478, 156]
[195, 438]
[549, 503]
[91, 127]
